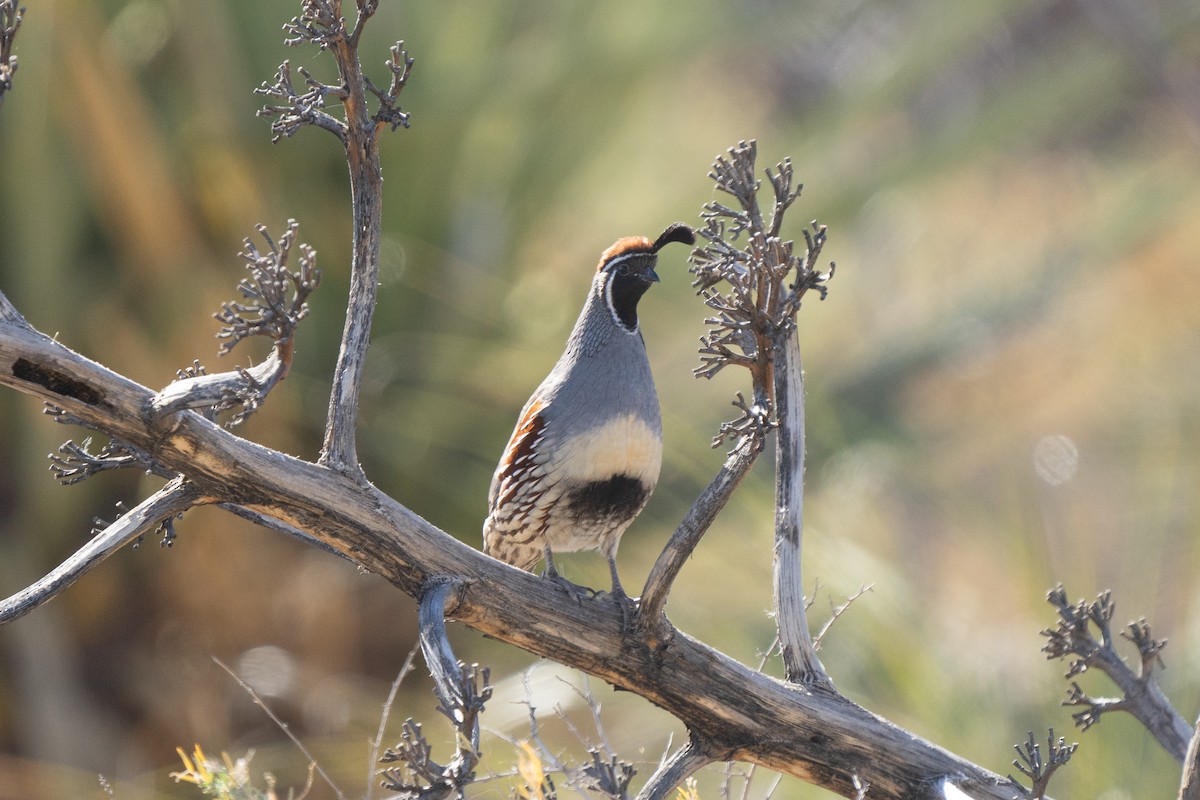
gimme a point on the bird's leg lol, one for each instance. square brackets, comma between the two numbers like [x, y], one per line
[625, 603]
[549, 572]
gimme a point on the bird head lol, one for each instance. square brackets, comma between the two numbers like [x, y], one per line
[626, 270]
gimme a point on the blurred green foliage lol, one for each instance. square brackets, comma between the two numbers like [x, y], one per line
[1002, 384]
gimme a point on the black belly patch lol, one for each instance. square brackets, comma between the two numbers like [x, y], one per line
[616, 498]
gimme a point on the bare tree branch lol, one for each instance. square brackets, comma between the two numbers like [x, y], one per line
[1030, 763]
[695, 523]
[321, 23]
[1141, 695]
[276, 303]
[152, 513]
[800, 659]
[755, 327]
[685, 762]
[462, 692]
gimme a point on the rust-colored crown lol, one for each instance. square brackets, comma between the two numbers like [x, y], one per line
[676, 232]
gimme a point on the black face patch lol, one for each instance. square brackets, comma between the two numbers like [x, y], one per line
[617, 498]
[625, 290]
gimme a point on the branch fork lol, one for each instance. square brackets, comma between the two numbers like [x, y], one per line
[754, 327]
[276, 301]
[1029, 762]
[1141, 696]
[293, 110]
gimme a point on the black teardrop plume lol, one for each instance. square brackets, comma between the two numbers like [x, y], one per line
[677, 232]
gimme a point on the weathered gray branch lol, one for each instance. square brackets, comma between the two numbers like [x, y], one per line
[795, 642]
[693, 526]
[1141, 695]
[755, 326]
[222, 389]
[274, 303]
[165, 504]
[685, 762]
[339, 450]
[462, 692]
[829, 741]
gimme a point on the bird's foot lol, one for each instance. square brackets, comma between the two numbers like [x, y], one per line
[628, 606]
[574, 589]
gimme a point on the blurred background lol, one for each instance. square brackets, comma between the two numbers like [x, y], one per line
[1002, 385]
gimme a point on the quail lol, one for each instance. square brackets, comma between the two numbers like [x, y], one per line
[586, 450]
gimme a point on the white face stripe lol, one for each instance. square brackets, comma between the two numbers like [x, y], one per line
[613, 262]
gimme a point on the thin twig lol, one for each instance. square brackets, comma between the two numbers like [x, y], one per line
[691, 528]
[1040, 770]
[535, 733]
[377, 742]
[837, 612]
[283, 726]
[152, 513]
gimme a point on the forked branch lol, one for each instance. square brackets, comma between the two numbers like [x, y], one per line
[276, 300]
[747, 288]
[322, 23]
[1030, 763]
[754, 281]
[1075, 638]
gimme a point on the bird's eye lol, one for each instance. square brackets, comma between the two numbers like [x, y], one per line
[623, 269]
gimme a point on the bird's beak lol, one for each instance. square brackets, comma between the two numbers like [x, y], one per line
[651, 276]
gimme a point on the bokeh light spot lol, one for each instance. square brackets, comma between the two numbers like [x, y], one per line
[1055, 459]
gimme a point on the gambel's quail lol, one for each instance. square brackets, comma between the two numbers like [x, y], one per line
[586, 451]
